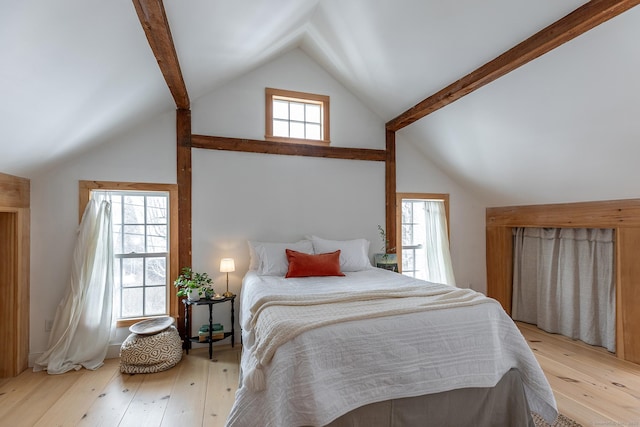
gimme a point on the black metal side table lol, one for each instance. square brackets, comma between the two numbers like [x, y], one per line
[188, 339]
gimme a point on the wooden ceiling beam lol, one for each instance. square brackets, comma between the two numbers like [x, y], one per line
[156, 27]
[579, 21]
[285, 148]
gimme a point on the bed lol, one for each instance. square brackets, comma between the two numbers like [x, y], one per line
[373, 347]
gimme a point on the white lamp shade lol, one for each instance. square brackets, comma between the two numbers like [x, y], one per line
[227, 265]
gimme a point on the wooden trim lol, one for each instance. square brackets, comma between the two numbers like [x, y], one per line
[8, 305]
[419, 196]
[429, 196]
[599, 214]
[499, 260]
[297, 141]
[291, 95]
[23, 291]
[621, 215]
[620, 238]
[184, 177]
[628, 294]
[154, 21]
[269, 147]
[184, 174]
[579, 21]
[15, 192]
[390, 189]
[85, 188]
[15, 229]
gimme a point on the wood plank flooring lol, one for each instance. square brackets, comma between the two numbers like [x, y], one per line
[197, 392]
[591, 386]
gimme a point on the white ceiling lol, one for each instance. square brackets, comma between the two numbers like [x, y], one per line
[562, 128]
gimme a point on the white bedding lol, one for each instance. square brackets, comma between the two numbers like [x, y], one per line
[325, 372]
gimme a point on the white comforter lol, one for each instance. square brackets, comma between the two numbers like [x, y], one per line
[325, 372]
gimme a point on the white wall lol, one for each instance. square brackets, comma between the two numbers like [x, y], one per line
[241, 196]
[145, 154]
[237, 109]
[417, 174]
[246, 196]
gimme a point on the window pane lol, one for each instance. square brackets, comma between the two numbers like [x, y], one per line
[132, 302]
[313, 113]
[116, 209]
[133, 239]
[280, 128]
[117, 278]
[406, 212]
[140, 227]
[297, 130]
[132, 272]
[407, 261]
[156, 238]
[156, 271]
[155, 300]
[156, 210]
[280, 109]
[117, 239]
[297, 115]
[296, 110]
[313, 131]
[134, 209]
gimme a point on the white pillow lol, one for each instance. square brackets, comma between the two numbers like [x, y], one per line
[254, 262]
[271, 258]
[354, 254]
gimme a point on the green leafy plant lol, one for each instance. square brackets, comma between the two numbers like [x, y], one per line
[385, 243]
[190, 280]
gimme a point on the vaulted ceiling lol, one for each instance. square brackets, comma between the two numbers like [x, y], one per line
[563, 127]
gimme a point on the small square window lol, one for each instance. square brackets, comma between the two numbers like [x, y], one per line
[297, 117]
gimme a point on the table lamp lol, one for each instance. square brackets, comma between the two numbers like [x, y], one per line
[227, 265]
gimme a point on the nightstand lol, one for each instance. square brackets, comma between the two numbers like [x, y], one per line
[188, 339]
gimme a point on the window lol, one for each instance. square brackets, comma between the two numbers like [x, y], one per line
[143, 235]
[297, 117]
[424, 237]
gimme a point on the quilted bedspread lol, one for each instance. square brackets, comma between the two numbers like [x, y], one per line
[315, 376]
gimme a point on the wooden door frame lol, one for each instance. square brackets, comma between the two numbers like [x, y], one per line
[14, 292]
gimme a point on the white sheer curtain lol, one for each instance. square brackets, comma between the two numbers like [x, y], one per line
[83, 322]
[564, 282]
[438, 257]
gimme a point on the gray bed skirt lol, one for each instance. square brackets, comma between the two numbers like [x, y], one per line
[502, 405]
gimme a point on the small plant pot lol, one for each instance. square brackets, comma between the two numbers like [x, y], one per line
[193, 295]
[386, 261]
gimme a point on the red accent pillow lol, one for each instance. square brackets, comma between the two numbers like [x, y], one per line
[305, 265]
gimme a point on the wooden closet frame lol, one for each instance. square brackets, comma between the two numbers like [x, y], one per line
[621, 215]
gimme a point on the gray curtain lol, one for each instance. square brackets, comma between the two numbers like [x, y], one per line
[564, 282]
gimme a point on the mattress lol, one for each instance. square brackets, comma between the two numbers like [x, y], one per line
[326, 372]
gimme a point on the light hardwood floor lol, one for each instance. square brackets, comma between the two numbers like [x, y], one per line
[197, 392]
[591, 386]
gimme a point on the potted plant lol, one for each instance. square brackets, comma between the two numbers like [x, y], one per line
[193, 285]
[386, 260]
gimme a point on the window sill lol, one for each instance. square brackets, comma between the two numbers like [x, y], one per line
[319, 142]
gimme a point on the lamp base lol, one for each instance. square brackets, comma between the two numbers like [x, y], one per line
[228, 294]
